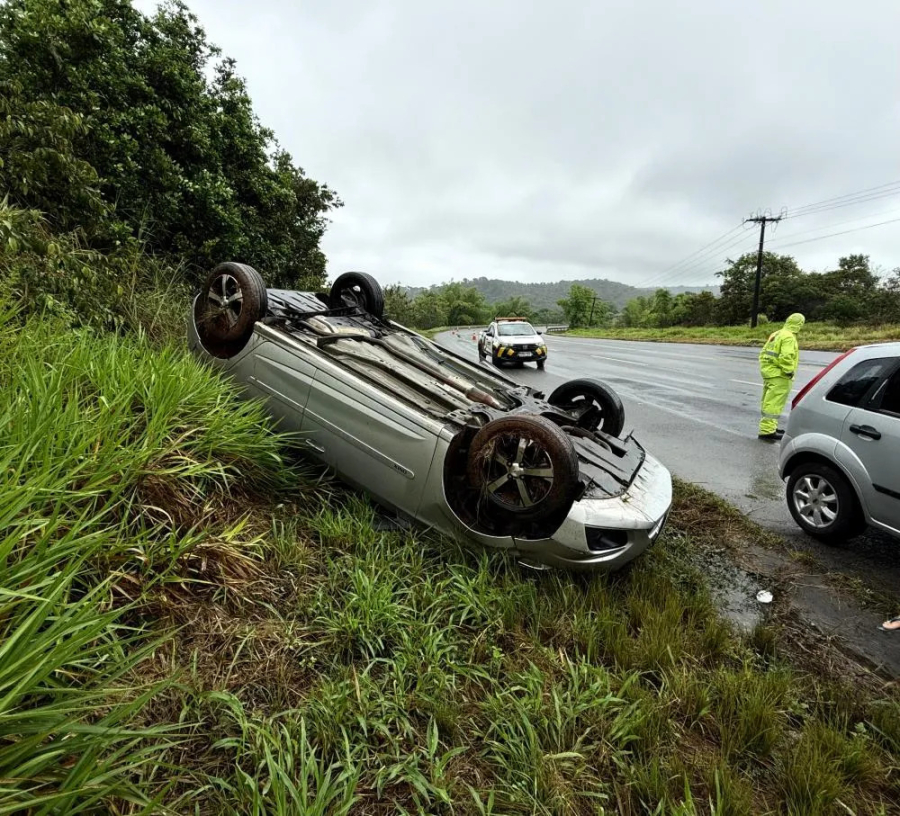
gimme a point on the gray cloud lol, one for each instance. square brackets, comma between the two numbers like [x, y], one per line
[538, 141]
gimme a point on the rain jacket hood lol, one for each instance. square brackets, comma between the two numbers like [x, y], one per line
[780, 356]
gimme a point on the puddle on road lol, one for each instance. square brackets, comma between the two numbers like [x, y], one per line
[733, 590]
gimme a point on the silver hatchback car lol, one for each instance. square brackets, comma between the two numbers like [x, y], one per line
[841, 451]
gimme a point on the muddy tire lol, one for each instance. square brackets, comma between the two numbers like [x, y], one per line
[824, 503]
[599, 406]
[233, 298]
[524, 467]
[357, 289]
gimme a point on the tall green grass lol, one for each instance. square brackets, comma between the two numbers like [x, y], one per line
[122, 475]
[816, 336]
[188, 626]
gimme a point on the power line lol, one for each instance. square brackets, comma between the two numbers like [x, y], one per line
[690, 264]
[699, 263]
[847, 199]
[842, 232]
[778, 241]
[709, 248]
[853, 203]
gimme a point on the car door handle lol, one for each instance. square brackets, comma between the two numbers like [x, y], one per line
[865, 430]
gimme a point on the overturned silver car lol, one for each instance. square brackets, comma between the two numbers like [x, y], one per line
[431, 435]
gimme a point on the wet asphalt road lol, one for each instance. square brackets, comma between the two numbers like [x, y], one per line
[696, 408]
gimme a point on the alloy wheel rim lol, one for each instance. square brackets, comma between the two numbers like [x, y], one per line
[225, 293]
[519, 472]
[816, 501]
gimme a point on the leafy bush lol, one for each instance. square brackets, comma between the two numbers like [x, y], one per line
[59, 276]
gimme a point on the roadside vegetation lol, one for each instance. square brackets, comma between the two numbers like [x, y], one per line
[190, 621]
[850, 304]
[815, 336]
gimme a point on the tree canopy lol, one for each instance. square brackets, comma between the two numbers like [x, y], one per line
[132, 127]
[851, 293]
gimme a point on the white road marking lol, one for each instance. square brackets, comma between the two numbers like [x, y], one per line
[622, 360]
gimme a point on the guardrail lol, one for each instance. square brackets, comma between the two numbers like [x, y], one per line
[556, 329]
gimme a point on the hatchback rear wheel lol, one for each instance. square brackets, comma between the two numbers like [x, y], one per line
[823, 503]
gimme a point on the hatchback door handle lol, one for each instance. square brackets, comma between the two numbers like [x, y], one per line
[865, 430]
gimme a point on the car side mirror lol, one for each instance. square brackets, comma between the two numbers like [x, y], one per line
[540, 332]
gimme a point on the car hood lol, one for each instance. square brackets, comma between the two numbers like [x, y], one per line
[521, 340]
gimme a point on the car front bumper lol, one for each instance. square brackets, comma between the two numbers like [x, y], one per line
[516, 354]
[605, 534]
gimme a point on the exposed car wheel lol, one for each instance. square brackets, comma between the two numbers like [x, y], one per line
[481, 354]
[524, 467]
[497, 361]
[357, 289]
[233, 299]
[600, 406]
[823, 503]
[540, 364]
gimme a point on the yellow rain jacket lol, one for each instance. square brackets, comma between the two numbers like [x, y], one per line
[781, 353]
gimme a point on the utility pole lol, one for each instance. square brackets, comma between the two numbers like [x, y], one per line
[762, 220]
[591, 318]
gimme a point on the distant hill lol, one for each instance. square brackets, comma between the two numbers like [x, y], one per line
[546, 295]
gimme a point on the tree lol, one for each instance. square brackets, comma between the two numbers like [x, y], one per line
[661, 309]
[429, 311]
[781, 279]
[582, 308]
[513, 307]
[548, 317]
[123, 106]
[694, 309]
[464, 305]
[636, 313]
[397, 305]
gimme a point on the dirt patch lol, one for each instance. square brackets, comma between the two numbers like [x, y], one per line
[822, 621]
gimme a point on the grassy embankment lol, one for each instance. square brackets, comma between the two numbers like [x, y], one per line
[187, 619]
[815, 336]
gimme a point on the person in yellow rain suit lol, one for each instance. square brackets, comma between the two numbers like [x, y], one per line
[778, 363]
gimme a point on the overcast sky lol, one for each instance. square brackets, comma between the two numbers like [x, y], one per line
[536, 141]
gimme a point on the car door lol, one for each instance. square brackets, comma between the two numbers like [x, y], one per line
[283, 371]
[369, 438]
[871, 431]
[487, 339]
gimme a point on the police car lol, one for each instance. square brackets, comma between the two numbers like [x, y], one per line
[512, 340]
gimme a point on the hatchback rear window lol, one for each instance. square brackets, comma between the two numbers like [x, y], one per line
[853, 387]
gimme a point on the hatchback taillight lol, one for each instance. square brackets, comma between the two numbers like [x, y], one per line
[809, 386]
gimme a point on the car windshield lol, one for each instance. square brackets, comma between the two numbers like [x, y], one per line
[516, 329]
